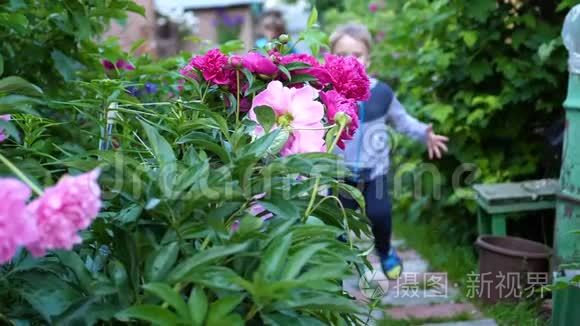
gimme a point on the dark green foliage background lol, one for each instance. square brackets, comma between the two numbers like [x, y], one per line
[489, 74]
[49, 42]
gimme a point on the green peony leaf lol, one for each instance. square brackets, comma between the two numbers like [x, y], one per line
[266, 117]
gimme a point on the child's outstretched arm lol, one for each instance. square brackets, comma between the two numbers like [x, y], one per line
[404, 123]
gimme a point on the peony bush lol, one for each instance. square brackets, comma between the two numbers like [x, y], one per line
[187, 191]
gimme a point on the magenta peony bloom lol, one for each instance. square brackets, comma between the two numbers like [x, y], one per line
[259, 64]
[63, 210]
[373, 7]
[108, 65]
[124, 65]
[301, 57]
[188, 71]
[236, 61]
[5, 117]
[336, 103]
[120, 65]
[304, 58]
[347, 76]
[245, 104]
[213, 66]
[17, 226]
[275, 56]
[296, 110]
[315, 70]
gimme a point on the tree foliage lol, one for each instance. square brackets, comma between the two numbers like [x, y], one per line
[489, 74]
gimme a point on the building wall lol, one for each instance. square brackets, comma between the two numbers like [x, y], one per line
[208, 31]
[137, 27]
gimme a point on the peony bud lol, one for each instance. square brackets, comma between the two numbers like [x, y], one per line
[284, 38]
[342, 119]
[235, 61]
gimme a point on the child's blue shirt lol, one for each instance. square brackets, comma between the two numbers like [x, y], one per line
[369, 149]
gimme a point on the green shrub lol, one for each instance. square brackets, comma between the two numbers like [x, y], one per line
[50, 42]
[488, 74]
[175, 242]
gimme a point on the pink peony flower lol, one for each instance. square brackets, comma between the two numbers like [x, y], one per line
[63, 210]
[347, 76]
[17, 226]
[5, 117]
[297, 110]
[304, 141]
[259, 64]
[336, 103]
[373, 7]
[213, 66]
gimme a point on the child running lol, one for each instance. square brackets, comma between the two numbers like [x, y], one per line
[367, 154]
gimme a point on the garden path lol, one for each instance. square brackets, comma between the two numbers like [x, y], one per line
[420, 297]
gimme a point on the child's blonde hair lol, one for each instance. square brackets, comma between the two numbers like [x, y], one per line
[355, 30]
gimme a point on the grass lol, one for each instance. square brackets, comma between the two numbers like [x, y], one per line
[458, 261]
[523, 313]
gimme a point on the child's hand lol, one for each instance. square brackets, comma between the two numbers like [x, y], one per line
[436, 144]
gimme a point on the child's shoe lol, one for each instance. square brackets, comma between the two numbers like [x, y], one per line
[392, 265]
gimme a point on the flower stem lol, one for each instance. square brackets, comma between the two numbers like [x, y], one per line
[205, 243]
[252, 312]
[237, 97]
[21, 175]
[336, 138]
[317, 181]
[312, 198]
[323, 128]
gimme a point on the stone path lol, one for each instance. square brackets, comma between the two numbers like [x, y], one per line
[421, 296]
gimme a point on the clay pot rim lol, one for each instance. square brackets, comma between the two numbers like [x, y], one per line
[482, 243]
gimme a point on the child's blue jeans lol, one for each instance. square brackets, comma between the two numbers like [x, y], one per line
[378, 210]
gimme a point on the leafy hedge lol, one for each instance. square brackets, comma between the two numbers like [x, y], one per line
[50, 42]
[489, 74]
[176, 241]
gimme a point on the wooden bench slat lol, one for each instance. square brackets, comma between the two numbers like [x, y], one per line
[545, 189]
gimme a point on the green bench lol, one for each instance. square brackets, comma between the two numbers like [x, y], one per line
[496, 202]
